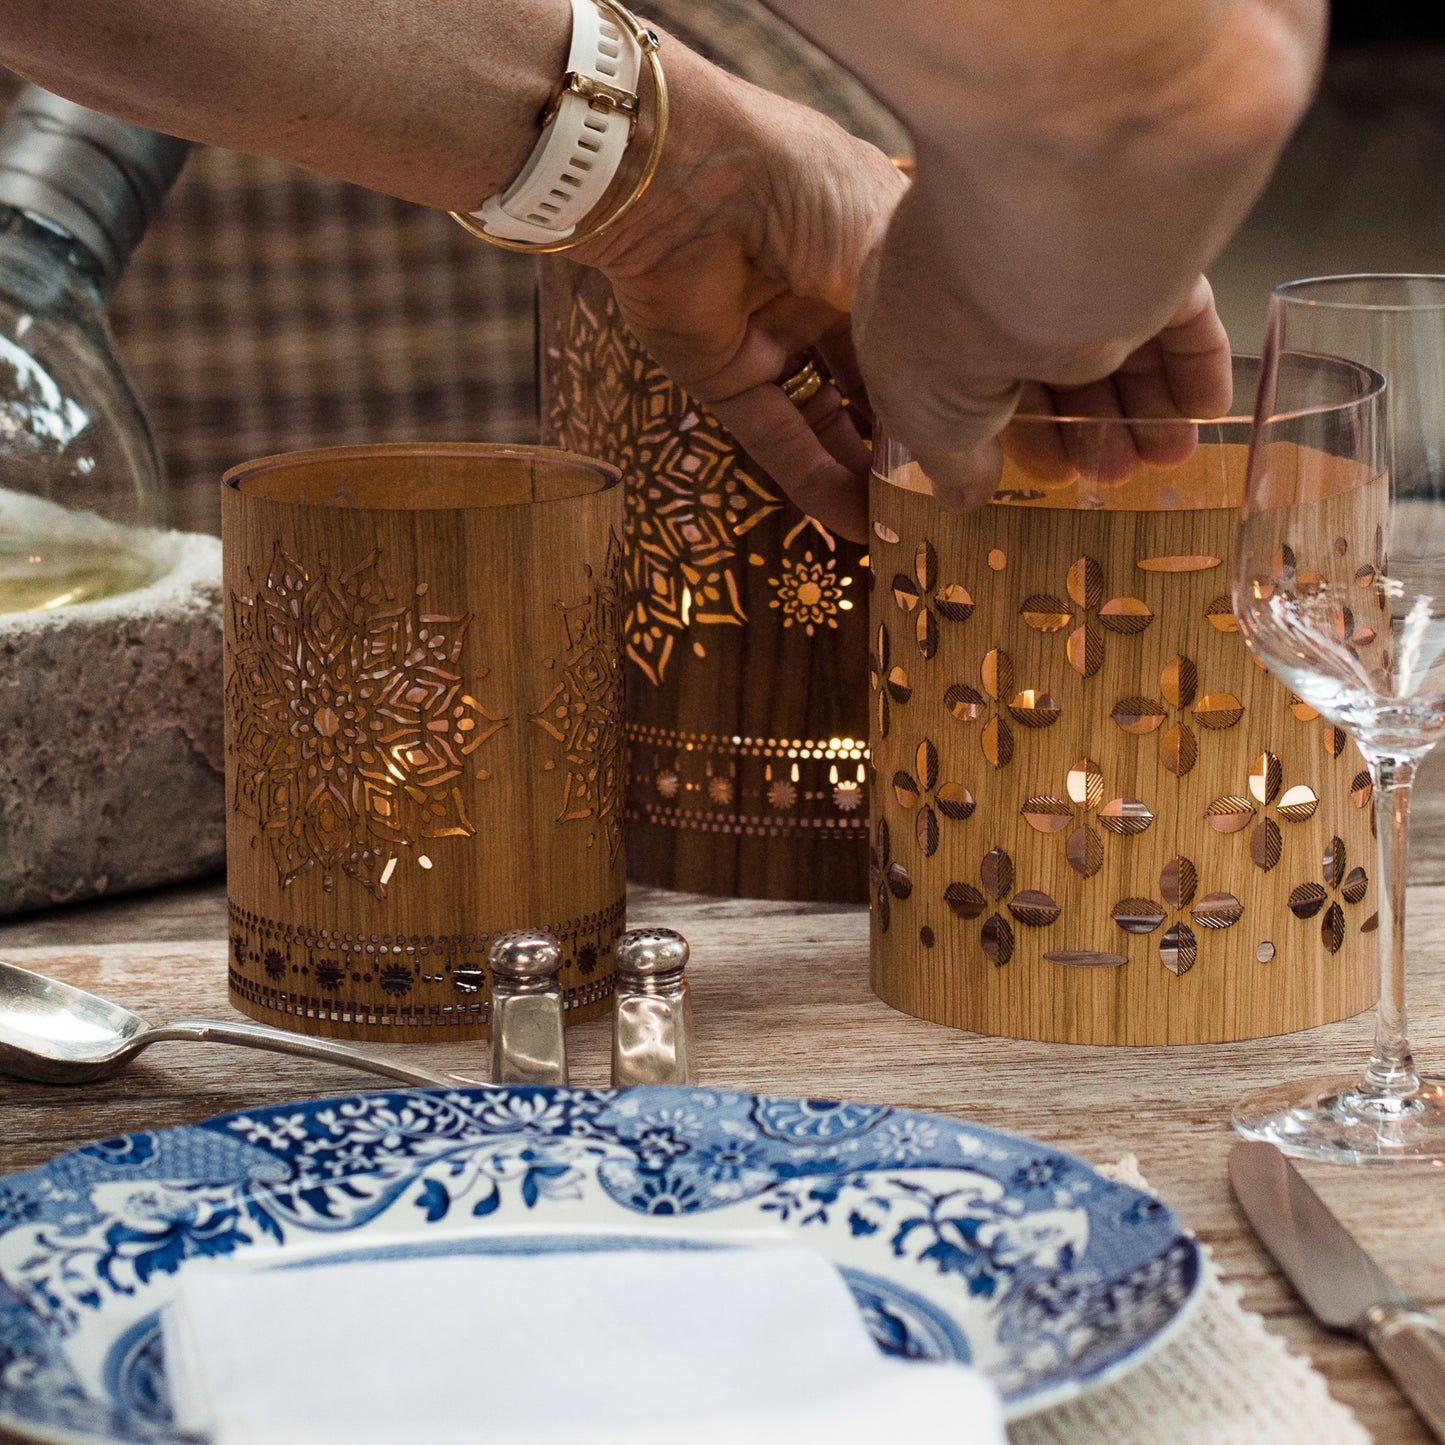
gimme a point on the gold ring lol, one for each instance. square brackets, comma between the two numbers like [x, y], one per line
[804, 384]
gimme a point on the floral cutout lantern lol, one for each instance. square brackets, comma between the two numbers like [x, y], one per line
[1096, 819]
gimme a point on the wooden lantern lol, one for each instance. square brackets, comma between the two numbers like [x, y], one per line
[423, 731]
[743, 633]
[1096, 818]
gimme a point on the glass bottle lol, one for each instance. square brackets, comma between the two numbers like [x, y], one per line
[80, 480]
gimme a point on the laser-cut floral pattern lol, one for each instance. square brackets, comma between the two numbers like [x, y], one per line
[1178, 886]
[888, 878]
[353, 723]
[928, 601]
[1031, 907]
[1084, 786]
[1126, 616]
[1233, 813]
[1350, 886]
[1332, 738]
[889, 681]
[1031, 708]
[924, 791]
[1179, 743]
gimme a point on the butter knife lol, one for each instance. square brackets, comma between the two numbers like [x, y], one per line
[1344, 1288]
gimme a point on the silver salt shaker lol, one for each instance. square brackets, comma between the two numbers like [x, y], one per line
[651, 1017]
[528, 1046]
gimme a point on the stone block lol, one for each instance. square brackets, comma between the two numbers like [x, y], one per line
[112, 763]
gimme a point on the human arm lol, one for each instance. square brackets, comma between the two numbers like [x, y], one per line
[742, 253]
[1079, 164]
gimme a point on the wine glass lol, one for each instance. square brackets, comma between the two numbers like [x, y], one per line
[1339, 589]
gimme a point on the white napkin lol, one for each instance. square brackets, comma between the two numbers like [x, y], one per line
[640, 1346]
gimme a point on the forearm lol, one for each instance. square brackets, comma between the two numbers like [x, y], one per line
[1079, 163]
[434, 101]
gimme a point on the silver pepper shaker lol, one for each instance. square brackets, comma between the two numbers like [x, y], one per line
[651, 1016]
[528, 1046]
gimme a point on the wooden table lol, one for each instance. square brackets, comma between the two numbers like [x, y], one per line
[783, 1004]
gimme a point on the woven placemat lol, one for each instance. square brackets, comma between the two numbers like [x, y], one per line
[1223, 1379]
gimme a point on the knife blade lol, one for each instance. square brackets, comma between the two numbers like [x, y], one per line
[1344, 1288]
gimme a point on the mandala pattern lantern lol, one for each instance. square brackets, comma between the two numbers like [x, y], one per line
[423, 731]
[1096, 818]
[744, 629]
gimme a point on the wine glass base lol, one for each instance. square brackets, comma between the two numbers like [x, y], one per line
[1331, 1119]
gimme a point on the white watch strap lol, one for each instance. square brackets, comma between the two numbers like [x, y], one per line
[582, 145]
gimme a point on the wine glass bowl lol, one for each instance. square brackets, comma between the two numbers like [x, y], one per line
[1339, 590]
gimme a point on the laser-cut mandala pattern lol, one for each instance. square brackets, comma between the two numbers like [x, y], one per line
[810, 594]
[583, 713]
[690, 503]
[352, 720]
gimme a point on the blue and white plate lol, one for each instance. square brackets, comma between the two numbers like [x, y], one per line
[958, 1242]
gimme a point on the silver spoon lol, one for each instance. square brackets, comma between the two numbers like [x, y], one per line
[54, 1033]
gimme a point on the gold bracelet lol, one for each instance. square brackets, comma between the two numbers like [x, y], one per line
[647, 39]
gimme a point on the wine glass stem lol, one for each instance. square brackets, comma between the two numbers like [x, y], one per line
[1390, 1073]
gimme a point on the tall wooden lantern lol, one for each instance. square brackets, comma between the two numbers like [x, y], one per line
[744, 629]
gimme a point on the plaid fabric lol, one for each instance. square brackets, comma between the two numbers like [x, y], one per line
[269, 308]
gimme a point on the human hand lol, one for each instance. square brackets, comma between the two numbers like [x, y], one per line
[1183, 371]
[927, 355]
[1079, 166]
[740, 258]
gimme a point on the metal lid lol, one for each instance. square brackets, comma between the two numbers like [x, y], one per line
[525, 956]
[651, 953]
[97, 178]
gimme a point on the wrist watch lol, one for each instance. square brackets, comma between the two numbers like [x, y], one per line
[585, 130]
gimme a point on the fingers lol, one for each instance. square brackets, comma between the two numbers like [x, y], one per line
[823, 470]
[1105, 454]
[836, 349]
[1034, 444]
[1194, 352]
[915, 345]
[964, 480]
[1182, 372]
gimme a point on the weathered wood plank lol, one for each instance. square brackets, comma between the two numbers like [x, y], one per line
[783, 1004]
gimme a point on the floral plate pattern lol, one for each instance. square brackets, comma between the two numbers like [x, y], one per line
[957, 1241]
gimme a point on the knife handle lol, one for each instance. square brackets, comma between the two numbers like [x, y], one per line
[1411, 1345]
